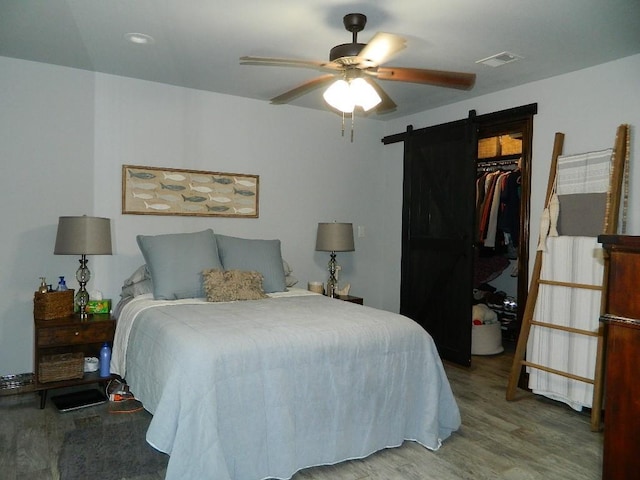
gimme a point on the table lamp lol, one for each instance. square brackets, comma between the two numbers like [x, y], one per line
[334, 237]
[83, 236]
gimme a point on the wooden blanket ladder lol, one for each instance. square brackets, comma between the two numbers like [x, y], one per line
[618, 186]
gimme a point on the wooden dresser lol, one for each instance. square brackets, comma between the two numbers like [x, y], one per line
[622, 375]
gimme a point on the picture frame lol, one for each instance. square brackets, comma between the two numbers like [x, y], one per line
[171, 191]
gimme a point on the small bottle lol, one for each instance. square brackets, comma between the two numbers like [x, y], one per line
[62, 285]
[43, 285]
[105, 360]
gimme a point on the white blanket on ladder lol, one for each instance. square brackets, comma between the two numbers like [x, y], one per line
[573, 260]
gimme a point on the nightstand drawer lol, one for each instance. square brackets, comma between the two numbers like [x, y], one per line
[76, 334]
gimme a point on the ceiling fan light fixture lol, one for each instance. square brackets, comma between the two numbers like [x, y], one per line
[345, 95]
[363, 94]
[339, 96]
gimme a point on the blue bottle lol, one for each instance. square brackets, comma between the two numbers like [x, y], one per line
[105, 360]
[62, 285]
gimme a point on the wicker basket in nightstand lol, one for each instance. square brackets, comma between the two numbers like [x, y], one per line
[64, 366]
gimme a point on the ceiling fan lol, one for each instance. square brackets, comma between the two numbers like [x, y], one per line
[359, 63]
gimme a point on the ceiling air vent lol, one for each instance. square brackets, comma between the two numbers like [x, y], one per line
[500, 59]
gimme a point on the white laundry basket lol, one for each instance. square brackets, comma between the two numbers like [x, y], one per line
[486, 339]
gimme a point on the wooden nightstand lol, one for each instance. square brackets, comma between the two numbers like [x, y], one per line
[70, 335]
[351, 299]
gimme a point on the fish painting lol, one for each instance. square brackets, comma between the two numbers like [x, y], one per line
[244, 210]
[193, 198]
[168, 197]
[217, 208]
[201, 179]
[142, 175]
[175, 188]
[222, 180]
[200, 189]
[144, 196]
[157, 206]
[244, 183]
[246, 193]
[193, 207]
[219, 199]
[144, 186]
[176, 177]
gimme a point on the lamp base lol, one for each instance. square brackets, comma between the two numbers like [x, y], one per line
[82, 297]
[332, 282]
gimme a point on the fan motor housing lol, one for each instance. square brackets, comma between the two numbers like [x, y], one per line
[346, 50]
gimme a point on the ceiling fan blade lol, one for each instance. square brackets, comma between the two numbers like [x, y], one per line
[459, 80]
[386, 105]
[381, 48]
[289, 62]
[306, 87]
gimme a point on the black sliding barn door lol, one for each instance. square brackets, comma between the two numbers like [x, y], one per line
[437, 238]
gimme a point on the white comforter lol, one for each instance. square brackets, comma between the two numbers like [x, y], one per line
[261, 389]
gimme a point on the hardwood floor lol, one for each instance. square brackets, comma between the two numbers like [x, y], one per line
[530, 438]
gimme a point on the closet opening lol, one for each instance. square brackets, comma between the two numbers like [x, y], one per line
[501, 250]
[439, 220]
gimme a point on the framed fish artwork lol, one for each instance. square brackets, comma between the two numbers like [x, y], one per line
[171, 191]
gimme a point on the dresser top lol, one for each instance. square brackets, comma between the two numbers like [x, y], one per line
[627, 242]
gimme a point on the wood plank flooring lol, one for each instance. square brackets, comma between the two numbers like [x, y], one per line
[529, 439]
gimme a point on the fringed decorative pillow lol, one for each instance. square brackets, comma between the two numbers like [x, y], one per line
[231, 285]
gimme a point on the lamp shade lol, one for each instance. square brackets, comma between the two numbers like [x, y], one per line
[83, 236]
[335, 237]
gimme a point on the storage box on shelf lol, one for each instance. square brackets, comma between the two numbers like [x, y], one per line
[51, 305]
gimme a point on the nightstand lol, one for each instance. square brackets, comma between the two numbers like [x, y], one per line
[67, 336]
[350, 299]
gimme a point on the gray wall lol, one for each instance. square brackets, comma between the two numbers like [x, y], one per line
[65, 133]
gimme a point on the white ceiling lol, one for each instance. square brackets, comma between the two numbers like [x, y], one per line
[198, 42]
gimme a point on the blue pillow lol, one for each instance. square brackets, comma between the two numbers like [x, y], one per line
[176, 261]
[262, 256]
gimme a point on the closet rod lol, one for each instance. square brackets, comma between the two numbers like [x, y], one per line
[496, 163]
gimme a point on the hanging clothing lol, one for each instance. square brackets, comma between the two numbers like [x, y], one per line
[498, 208]
[496, 211]
[509, 221]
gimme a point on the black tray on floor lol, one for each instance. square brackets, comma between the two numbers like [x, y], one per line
[81, 399]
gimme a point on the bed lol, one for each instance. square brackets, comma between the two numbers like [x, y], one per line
[262, 388]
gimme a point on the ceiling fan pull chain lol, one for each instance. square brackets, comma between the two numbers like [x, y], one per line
[343, 124]
[353, 122]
